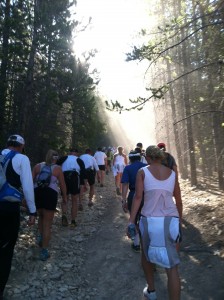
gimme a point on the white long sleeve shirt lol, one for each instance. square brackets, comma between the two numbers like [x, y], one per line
[89, 161]
[21, 165]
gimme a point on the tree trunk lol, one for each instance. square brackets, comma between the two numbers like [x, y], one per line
[3, 70]
[28, 88]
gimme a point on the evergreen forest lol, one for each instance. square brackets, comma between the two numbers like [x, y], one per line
[46, 93]
[49, 96]
[185, 80]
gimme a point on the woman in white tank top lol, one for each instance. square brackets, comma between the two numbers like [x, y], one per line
[119, 162]
[160, 221]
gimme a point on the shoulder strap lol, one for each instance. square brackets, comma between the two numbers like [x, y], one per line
[9, 156]
[61, 160]
[6, 158]
[80, 163]
[42, 164]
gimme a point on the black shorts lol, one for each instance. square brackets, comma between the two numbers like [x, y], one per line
[46, 198]
[90, 176]
[109, 163]
[72, 182]
[102, 167]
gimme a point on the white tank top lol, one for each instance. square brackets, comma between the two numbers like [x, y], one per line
[158, 196]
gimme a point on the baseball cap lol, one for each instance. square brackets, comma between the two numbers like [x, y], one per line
[161, 145]
[16, 138]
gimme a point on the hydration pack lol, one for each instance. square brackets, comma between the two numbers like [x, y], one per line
[7, 191]
[44, 177]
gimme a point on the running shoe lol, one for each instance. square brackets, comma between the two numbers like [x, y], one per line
[136, 248]
[149, 296]
[44, 254]
[73, 224]
[64, 221]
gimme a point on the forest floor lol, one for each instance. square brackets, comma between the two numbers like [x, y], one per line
[95, 260]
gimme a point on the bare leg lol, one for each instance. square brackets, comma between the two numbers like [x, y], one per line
[48, 216]
[102, 175]
[173, 283]
[83, 189]
[64, 208]
[148, 269]
[74, 208]
[91, 192]
[40, 221]
[118, 183]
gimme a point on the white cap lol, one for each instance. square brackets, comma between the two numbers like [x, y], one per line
[16, 138]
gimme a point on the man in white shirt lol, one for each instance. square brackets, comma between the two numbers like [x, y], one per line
[74, 171]
[140, 146]
[19, 175]
[101, 160]
[91, 168]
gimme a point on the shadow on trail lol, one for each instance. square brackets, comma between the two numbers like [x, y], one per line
[200, 266]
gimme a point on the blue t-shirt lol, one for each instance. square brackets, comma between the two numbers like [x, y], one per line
[130, 172]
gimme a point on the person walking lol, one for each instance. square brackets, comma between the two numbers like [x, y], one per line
[18, 174]
[160, 221]
[168, 160]
[74, 173]
[128, 190]
[142, 151]
[46, 198]
[119, 162]
[109, 160]
[101, 160]
[91, 168]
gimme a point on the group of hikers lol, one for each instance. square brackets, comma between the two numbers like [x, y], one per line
[145, 180]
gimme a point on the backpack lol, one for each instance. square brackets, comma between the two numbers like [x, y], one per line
[7, 191]
[44, 177]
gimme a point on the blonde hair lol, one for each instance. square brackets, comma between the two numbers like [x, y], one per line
[154, 152]
[49, 157]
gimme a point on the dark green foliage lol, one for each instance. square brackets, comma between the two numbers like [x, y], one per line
[46, 93]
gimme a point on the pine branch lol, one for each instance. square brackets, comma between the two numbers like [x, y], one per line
[198, 113]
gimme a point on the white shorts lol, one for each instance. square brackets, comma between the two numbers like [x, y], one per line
[118, 169]
[159, 237]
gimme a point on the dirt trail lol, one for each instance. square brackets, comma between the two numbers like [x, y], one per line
[116, 271]
[95, 261]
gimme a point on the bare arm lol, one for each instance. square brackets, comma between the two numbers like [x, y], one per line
[139, 188]
[124, 190]
[62, 184]
[177, 196]
[124, 196]
[125, 159]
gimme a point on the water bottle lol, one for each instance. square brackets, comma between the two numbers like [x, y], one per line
[131, 231]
